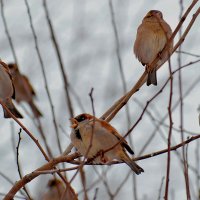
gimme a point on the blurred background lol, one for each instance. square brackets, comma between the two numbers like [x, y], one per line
[86, 39]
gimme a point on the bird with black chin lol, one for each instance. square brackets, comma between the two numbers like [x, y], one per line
[107, 143]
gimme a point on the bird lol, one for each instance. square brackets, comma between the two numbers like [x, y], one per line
[7, 91]
[56, 191]
[23, 89]
[152, 36]
[107, 143]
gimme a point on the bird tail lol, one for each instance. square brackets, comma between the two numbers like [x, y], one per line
[35, 110]
[152, 78]
[12, 109]
[136, 168]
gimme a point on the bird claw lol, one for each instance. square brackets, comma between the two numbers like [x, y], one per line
[160, 55]
[102, 156]
[148, 69]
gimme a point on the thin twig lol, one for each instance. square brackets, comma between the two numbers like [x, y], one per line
[181, 107]
[64, 75]
[105, 183]
[92, 185]
[17, 148]
[77, 98]
[169, 134]
[95, 193]
[16, 196]
[26, 130]
[114, 25]
[18, 163]
[7, 178]
[91, 139]
[123, 182]
[44, 75]
[188, 53]
[41, 131]
[7, 33]
[197, 175]
[187, 174]
[160, 189]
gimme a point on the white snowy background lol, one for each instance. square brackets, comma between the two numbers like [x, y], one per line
[85, 35]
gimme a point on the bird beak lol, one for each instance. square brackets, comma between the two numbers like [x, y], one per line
[73, 122]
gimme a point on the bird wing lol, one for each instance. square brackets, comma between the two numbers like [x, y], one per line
[113, 131]
[6, 68]
[30, 87]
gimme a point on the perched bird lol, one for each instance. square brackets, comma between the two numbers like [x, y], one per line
[7, 91]
[23, 89]
[105, 136]
[57, 191]
[152, 36]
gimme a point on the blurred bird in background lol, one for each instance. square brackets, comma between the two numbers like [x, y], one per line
[57, 191]
[7, 91]
[23, 89]
[152, 36]
[104, 137]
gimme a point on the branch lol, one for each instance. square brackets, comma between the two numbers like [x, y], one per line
[44, 75]
[51, 164]
[18, 164]
[29, 177]
[7, 32]
[55, 43]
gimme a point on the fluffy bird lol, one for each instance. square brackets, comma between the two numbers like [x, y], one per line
[107, 143]
[152, 36]
[23, 89]
[7, 91]
[55, 190]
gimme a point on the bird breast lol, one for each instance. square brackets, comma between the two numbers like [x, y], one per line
[150, 40]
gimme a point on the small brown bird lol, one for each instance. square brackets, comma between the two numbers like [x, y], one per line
[55, 190]
[7, 91]
[104, 137]
[152, 36]
[23, 89]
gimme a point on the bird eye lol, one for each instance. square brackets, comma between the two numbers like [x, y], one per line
[10, 66]
[80, 118]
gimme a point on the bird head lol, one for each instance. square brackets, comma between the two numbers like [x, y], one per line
[53, 183]
[153, 15]
[80, 118]
[13, 68]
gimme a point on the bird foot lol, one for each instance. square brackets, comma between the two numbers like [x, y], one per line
[160, 55]
[148, 69]
[102, 156]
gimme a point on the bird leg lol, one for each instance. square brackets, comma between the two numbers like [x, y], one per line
[147, 68]
[101, 155]
[103, 158]
[160, 55]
